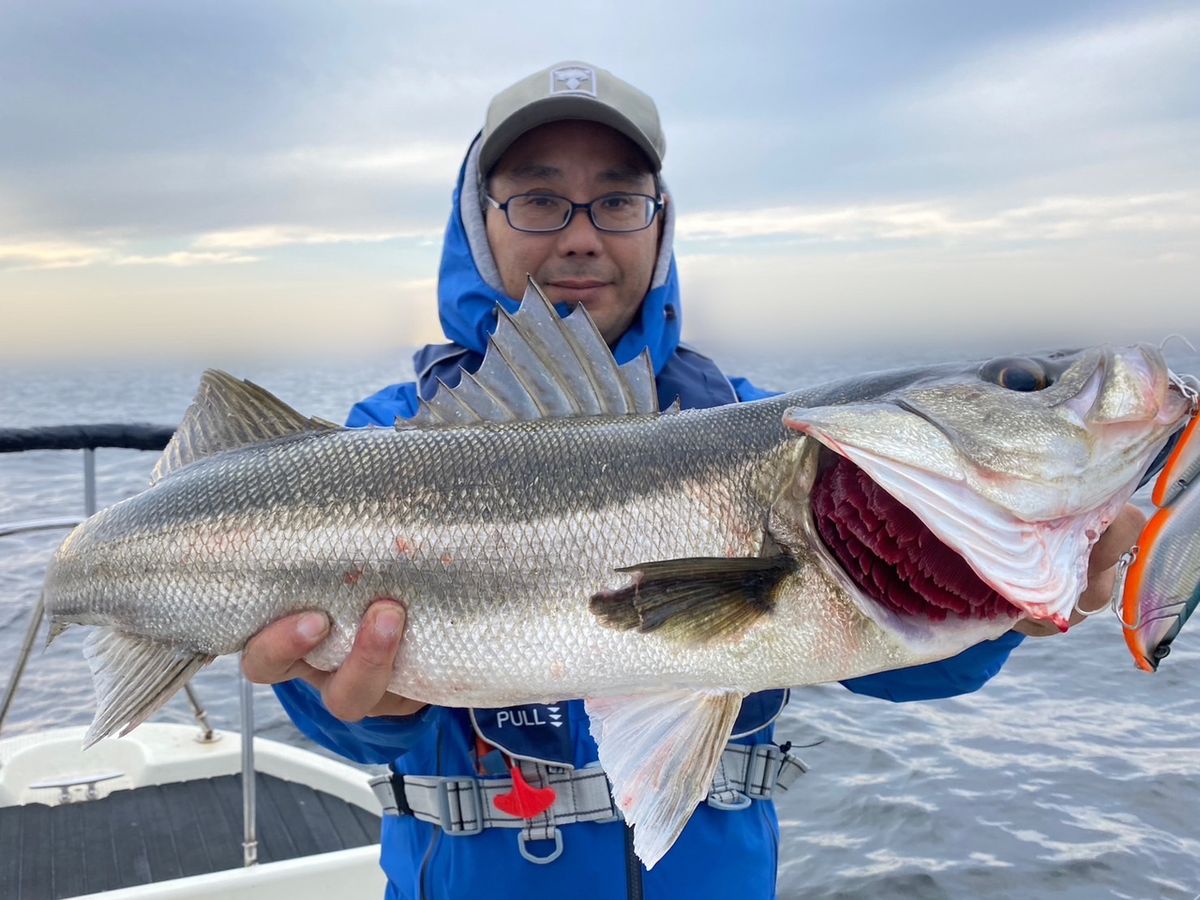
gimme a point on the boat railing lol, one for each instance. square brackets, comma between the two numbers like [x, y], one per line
[89, 438]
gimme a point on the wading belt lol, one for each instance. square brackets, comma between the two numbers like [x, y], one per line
[466, 806]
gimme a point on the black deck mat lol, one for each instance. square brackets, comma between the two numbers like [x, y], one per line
[166, 831]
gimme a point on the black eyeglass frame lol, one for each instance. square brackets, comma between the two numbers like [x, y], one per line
[655, 209]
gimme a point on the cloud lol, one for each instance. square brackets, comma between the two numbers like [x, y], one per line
[1172, 215]
[937, 156]
[1133, 67]
[188, 319]
[283, 235]
[1096, 108]
[418, 161]
[52, 254]
[41, 255]
[213, 248]
[184, 258]
[1050, 295]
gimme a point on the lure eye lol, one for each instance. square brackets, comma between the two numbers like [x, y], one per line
[1015, 374]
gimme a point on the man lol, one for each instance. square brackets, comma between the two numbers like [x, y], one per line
[563, 183]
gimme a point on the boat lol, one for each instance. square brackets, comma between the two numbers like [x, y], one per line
[169, 810]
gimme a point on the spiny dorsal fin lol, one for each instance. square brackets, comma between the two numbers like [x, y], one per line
[539, 365]
[227, 413]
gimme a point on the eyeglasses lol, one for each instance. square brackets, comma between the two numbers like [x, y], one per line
[539, 213]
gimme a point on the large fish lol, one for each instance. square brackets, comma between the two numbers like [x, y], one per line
[659, 565]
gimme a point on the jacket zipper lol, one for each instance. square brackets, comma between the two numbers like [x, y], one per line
[437, 832]
[633, 868]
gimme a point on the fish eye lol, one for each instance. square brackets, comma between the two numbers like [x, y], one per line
[1015, 373]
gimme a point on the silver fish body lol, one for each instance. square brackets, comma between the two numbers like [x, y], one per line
[494, 537]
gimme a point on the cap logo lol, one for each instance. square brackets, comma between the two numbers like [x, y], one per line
[573, 80]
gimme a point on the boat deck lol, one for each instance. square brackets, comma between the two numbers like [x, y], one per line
[160, 832]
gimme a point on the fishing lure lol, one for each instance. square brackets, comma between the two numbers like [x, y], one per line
[1158, 580]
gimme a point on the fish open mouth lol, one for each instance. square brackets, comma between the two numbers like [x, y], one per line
[891, 555]
[944, 514]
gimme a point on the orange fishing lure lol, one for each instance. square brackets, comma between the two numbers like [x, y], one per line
[1158, 585]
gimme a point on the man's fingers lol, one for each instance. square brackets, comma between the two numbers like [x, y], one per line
[1097, 596]
[274, 653]
[1120, 536]
[354, 690]
[358, 688]
[1093, 600]
[1034, 628]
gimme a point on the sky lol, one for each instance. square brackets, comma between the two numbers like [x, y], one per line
[272, 179]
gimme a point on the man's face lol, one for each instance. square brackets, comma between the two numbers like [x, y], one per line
[608, 273]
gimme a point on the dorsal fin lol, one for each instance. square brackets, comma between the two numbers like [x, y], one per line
[227, 413]
[539, 365]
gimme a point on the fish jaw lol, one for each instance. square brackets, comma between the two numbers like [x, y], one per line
[1022, 509]
[1038, 567]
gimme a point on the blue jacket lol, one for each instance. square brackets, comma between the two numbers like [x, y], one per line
[720, 853]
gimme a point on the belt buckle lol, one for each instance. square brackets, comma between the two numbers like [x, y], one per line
[790, 768]
[381, 786]
[760, 783]
[443, 798]
[613, 816]
[740, 801]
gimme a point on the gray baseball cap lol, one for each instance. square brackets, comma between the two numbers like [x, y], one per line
[571, 90]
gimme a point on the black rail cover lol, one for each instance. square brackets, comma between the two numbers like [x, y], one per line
[159, 832]
[128, 435]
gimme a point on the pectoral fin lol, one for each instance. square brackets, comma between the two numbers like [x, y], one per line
[133, 677]
[695, 600]
[660, 752]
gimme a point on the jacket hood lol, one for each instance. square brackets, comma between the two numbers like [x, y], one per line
[469, 285]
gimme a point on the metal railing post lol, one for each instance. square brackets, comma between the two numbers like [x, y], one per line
[71, 437]
[249, 827]
[39, 610]
[35, 623]
[207, 735]
[89, 481]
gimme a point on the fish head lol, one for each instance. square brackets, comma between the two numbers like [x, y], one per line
[971, 498]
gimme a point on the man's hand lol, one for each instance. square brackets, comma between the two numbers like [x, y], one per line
[356, 690]
[1102, 571]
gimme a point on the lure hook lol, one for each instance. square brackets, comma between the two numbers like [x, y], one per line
[1178, 337]
[1189, 387]
[1128, 558]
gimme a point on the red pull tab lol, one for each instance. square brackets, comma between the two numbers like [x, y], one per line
[525, 801]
